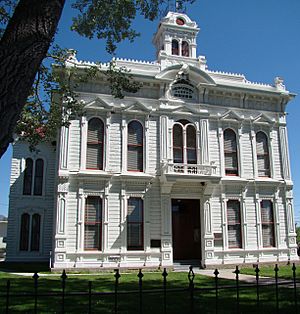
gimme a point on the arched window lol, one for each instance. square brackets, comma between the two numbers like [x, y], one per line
[230, 153]
[191, 145]
[35, 232]
[27, 183]
[38, 177]
[177, 144]
[175, 47]
[234, 224]
[95, 140]
[185, 50]
[135, 146]
[267, 223]
[262, 153]
[24, 232]
[93, 223]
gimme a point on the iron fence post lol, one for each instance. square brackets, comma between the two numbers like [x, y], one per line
[35, 278]
[295, 288]
[257, 285]
[117, 276]
[191, 277]
[237, 289]
[216, 273]
[165, 274]
[90, 297]
[140, 275]
[7, 295]
[276, 269]
[63, 283]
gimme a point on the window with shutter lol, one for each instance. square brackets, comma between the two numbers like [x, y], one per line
[135, 146]
[175, 47]
[267, 223]
[191, 145]
[27, 182]
[35, 232]
[93, 223]
[95, 143]
[234, 224]
[24, 232]
[135, 224]
[177, 144]
[230, 153]
[185, 51]
[262, 151]
[38, 177]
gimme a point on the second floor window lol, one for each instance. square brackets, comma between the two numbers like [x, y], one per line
[184, 143]
[135, 146]
[95, 141]
[234, 224]
[33, 177]
[230, 153]
[185, 50]
[175, 47]
[262, 152]
[267, 223]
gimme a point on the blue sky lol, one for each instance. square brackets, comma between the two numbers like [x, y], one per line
[259, 38]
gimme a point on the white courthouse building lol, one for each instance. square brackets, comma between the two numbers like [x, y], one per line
[193, 167]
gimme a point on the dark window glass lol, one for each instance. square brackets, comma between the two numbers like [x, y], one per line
[135, 224]
[177, 144]
[35, 232]
[191, 145]
[38, 177]
[175, 47]
[93, 223]
[185, 50]
[135, 146]
[230, 153]
[24, 232]
[267, 223]
[27, 183]
[95, 143]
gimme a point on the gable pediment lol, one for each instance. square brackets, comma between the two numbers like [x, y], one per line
[231, 116]
[263, 119]
[98, 103]
[136, 107]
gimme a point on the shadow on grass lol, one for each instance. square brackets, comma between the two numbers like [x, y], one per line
[24, 267]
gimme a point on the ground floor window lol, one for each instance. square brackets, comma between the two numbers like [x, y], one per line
[267, 223]
[135, 224]
[30, 232]
[93, 223]
[234, 224]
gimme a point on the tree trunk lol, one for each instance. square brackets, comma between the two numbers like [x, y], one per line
[22, 49]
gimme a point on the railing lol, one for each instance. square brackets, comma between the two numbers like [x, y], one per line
[190, 169]
[218, 297]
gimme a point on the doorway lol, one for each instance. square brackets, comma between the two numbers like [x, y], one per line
[186, 233]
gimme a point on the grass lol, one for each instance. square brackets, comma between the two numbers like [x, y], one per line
[285, 271]
[177, 301]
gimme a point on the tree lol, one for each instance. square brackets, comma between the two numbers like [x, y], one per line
[28, 34]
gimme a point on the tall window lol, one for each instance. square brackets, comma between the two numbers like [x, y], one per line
[262, 151]
[27, 183]
[33, 170]
[184, 143]
[175, 47]
[267, 223]
[93, 223]
[234, 224]
[38, 177]
[30, 232]
[135, 146]
[95, 141]
[185, 51]
[230, 153]
[135, 224]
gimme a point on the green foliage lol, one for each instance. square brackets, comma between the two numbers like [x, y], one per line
[298, 234]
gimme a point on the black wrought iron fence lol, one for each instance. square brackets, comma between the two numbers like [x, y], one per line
[195, 297]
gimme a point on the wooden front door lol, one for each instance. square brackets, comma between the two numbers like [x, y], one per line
[186, 233]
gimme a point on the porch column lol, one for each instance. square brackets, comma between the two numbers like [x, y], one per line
[204, 141]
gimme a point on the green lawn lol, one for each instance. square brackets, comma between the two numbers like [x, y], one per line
[285, 271]
[177, 301]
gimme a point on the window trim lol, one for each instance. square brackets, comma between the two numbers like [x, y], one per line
[33, 177]
[272, 223]
[95, 143]
[236, 152]
[235, 224]
[264, 154]
[141, 146]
